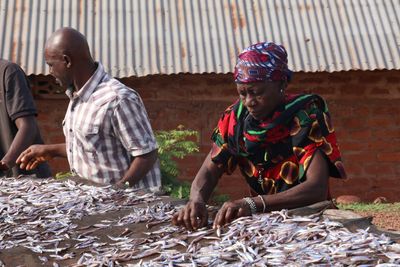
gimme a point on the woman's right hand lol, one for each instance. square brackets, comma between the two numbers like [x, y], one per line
[4, 166]
[193, 216]
[33, 156]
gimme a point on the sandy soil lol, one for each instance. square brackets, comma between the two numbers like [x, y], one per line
[389, 220]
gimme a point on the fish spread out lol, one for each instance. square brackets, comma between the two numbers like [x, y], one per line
[40, 214]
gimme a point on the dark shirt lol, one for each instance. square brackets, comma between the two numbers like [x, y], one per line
[16, 101]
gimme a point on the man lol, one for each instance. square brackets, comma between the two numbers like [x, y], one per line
[18, 127]
[107, 131]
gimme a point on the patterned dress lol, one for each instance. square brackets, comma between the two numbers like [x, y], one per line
[273, 155]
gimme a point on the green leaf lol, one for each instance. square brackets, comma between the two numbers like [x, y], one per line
[173, 145]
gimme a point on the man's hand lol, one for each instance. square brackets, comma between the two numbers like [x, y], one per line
[33, 156]
[4, 166]
[122, 184]
[230, 211]
[193, 216]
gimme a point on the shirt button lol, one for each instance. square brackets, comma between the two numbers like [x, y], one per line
[70, 150]
[70, 130]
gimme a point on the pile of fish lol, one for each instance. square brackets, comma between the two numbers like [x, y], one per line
[39, 214]
[42, 215]
[277, 239]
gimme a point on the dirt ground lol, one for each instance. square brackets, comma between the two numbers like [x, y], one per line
[388, 220]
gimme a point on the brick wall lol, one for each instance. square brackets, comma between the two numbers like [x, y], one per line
[365, 106]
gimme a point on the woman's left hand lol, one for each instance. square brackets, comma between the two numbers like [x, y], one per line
[230, 211]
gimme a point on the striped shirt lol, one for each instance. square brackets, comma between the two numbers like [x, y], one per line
[105, 127]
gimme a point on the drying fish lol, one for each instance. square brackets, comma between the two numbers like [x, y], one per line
[39, 215]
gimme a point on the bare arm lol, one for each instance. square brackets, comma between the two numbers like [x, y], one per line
[27, 130]
[139, 167]
[205, 181]
[194, 215]
[313, 190]
[36, 154]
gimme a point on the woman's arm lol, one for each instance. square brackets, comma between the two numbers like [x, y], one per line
[314, 189]
[194, 215]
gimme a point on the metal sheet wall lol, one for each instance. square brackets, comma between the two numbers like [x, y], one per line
[141, 37]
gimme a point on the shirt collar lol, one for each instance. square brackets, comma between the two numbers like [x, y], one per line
[87, 89]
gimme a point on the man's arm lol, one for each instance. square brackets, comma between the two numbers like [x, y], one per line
[27, 130]
[139, 167]
[36, 154]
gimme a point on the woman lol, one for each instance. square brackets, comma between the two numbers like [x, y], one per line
[284, 145]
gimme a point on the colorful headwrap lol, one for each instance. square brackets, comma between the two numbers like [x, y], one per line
[262, 62]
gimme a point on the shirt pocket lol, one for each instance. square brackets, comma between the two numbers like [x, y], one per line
[88, 140]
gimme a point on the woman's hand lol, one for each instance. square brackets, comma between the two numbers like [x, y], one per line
[4, 166]
[193, 216]
[230, 211]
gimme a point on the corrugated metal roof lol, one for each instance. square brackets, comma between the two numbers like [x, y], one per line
[141, 37]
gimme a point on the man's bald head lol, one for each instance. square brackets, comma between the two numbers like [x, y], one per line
[70, 42]
[68, 56]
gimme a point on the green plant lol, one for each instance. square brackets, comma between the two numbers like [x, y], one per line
[62, 175]
[174, 144]
[371, 207]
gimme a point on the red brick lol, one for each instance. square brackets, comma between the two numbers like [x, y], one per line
[353, 123]
[338, 112]
[353, 182]
[293, 89]
[379, 122]
[383, 145]
[220, 80]
[47, 128]
[146, 94]
[176, 94]
[353, 186]
[379, 91]
[353, 90]
[393, 79]
[358, 135]
[353, 167]
[352, 145]
[361, 157]
[233, 185]
[389, 157]
[193, 161]
[387, 133]
[381, 191]
[324, 91]
[370, 77]
[385, 109]
[379, 170]
[360, 111]
[339, 78]
[386, 182]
